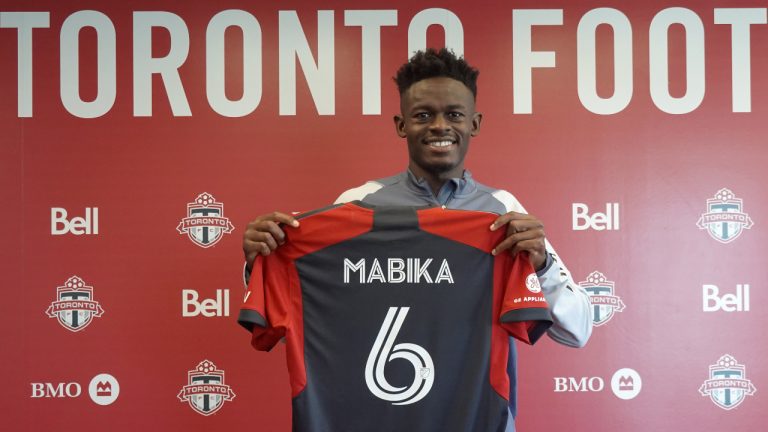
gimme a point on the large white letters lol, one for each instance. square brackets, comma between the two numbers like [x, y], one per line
[106, 64]
[370, 22]
[659, 60]
[587, 61]
[320, 75]
[144, 65]
[524, 59]
[740, 20]
[215, 78]
[24, 22]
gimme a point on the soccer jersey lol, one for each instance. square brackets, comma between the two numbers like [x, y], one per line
[395, 318]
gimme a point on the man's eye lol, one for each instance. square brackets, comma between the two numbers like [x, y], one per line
[421, 116]
[455, 115]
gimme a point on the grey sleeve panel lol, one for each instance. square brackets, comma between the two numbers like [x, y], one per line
[568, 302]
[539, 315]
[250, 318]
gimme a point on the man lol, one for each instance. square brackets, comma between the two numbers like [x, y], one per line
[437, 119]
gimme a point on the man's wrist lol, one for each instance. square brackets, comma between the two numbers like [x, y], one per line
[547, 264]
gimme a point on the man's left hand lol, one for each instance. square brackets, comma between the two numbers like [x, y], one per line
[524, 233]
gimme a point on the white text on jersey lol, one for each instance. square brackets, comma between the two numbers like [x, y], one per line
[398, 270]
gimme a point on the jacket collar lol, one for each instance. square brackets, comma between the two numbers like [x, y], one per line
[453, 188]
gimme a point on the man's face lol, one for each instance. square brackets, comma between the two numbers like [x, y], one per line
[437, 119]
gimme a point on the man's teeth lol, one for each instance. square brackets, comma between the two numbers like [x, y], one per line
[441, 143]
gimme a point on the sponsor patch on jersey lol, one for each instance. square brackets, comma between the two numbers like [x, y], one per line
[725, 218]
[74, 306]
[605, 303]
[205, 223]
[206, 390]
[727, 386]
[532, 283]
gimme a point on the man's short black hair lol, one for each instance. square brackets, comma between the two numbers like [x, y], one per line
[432, 64]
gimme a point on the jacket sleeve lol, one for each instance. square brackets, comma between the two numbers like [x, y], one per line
[568, 303]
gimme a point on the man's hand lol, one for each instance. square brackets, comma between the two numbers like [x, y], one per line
[524, 233]
[263, 235]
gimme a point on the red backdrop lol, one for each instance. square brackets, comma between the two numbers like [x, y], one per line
[687, 293]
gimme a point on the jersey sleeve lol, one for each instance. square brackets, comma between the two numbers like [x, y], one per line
[524, 313]
[265, 310]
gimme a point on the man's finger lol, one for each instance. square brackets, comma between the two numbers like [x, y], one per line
[274, 231]
[284, 218]
[509, 217]
[522, 236]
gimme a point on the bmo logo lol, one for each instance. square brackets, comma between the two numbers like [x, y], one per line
[192, 305]
[87, 224]
[103, 390]
[626, 384]
[598, 221]
[56, 390]
[583, 384]
[713, 301]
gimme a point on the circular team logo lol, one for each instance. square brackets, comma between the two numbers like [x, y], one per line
[532, 283]
[104, 389]
[626, 383]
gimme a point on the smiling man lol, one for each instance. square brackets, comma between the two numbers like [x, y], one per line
[438, 119]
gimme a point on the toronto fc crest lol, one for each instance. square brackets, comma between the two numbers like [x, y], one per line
[205, 223]
[74, 305]
[727, 385]
[725, 218]
[601, 294]
[206, 391]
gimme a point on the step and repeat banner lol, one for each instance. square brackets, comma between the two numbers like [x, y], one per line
[139, 139]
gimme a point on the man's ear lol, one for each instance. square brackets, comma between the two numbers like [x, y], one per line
[399, 125]
[477, 118]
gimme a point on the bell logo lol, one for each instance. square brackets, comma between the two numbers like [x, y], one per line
[713, 302]
[88, 224]
[191, 307]
[582, 220]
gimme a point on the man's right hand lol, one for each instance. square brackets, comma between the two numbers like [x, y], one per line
[263, 235]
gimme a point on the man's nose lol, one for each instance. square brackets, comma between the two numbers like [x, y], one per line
[440, 123]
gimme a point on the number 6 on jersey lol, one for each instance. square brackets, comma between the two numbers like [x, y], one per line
[383, 352]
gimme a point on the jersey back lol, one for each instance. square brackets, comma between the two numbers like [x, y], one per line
[395, 318]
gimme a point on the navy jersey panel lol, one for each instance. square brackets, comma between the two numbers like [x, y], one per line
[361, 366]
